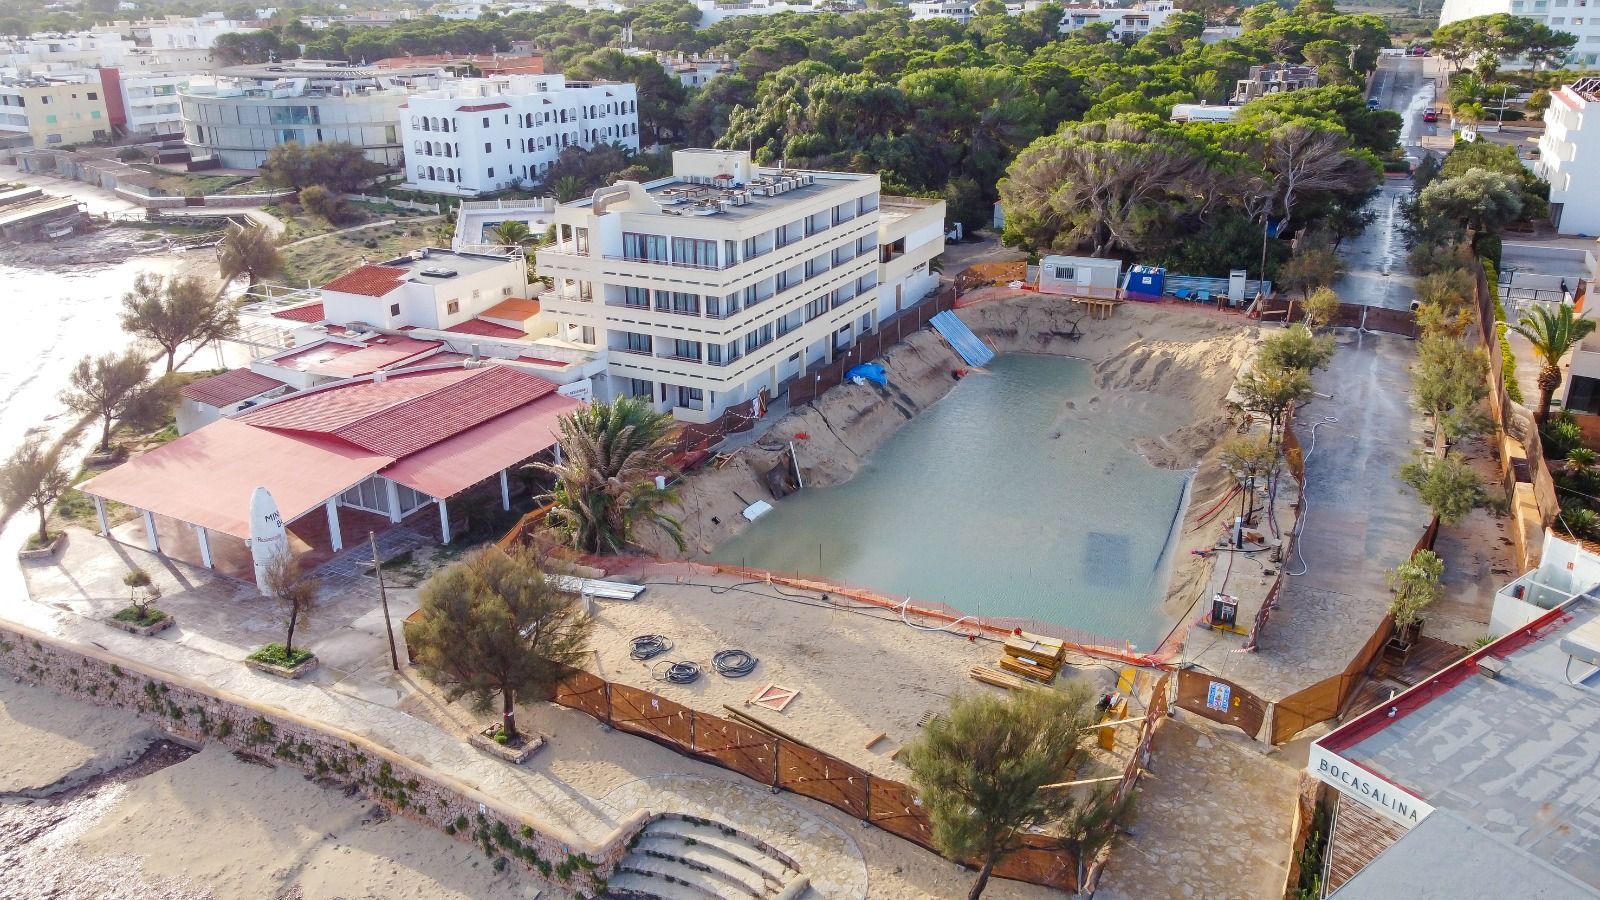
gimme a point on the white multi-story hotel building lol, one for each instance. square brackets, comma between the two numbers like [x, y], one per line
[479, 135]
[1576, 17]
[725, 280]
[1569, 156]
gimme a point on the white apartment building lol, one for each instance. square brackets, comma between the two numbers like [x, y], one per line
[910, 234]
[150, 100]
[960, 10]
[1576, 17]
[724, 280]
[1126, 24]
[479, 135]
[712, 12]
[1569, 156]
[175, 32]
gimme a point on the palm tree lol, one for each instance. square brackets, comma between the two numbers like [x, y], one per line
[1552, 334]
[249, 250]
[567, 188]
[512, 233]
[606, 484]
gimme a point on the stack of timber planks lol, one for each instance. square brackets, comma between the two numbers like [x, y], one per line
[1033, 656]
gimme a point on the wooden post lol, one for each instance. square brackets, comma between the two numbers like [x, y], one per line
[775, 742]
[383, 597]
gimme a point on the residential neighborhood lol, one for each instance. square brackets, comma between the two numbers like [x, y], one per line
[799, 450]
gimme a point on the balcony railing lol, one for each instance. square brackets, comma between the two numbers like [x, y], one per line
[632, 351]
[678, 312]
[676, 358]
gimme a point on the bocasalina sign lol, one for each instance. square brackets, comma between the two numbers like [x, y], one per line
[1349, 778]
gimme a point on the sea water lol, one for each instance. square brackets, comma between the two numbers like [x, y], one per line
[1007, 498]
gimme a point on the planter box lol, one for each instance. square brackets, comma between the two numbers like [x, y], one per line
[511, 753]
[309, 665]
[142, 630]
[44, 552]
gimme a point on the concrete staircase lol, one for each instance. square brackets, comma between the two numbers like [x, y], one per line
[678, 857]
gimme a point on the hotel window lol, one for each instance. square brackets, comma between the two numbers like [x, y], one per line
[394, 309]
[580, 237]
[453, 307]
[714, 354]
[682, 349]
[637, 342]
[636, 297]
[638, 387]
[644, 247]
[586, 334]
[694, 252]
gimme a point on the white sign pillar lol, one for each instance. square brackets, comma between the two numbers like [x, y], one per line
[505, 490]
[151, 539]
[205, 545]
[444, 521]
[268, 538]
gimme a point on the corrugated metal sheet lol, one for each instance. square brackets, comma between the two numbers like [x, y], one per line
[1359, 835]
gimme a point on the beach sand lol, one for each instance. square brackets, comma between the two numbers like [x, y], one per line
[210, 826]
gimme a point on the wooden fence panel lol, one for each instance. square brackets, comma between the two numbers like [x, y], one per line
[820, 776]
[741, 748]
[1244, 709]
[586, 693]
[642, 712]
[896, 810]
[1043, 861]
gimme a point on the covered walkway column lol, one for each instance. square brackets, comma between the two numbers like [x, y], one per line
[152, 539]
[334, 537]
[505, 490]
[204, 540]
[444, 521]
[100, 513]
[394, 501]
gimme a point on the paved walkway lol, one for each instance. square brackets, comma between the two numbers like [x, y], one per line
[1361, 522]
[583, 781]
[1211, 821]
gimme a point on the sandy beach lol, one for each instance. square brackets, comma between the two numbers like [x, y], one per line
[209, 826]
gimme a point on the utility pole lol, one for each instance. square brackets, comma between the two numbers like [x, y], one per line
[383, 597]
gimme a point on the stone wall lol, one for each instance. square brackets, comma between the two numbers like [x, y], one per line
[335, 758]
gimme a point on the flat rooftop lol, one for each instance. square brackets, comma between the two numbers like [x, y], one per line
[769, 191]
[893, 208]
[1513, 757]
[450, 260]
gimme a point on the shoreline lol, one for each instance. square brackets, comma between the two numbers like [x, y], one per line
[1173, 361]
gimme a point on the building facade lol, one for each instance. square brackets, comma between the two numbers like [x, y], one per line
[240, 115]
[1571, 16]
[1274, 78]
[724, 281]
[479, 135]
[1126, 24]
[1569, 151]
[54, 111]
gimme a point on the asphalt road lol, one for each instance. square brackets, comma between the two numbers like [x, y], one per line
[1376, 260]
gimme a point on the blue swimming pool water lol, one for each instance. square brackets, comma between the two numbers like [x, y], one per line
[1005, 499]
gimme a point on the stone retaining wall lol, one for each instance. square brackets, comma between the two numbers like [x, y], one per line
[332, 756]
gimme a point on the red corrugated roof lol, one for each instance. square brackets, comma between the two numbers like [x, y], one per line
[406, 413]
[311, 312]
[230, 387]
[207, 477]
[453, 465]
[487, 329]
[483, 107]
[342, 360]
[437, 359]
[368, 280]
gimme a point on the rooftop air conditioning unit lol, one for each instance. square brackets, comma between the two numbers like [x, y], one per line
[437, 272]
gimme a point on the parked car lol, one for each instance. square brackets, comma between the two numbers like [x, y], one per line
[1430, 115]
[1372, 103]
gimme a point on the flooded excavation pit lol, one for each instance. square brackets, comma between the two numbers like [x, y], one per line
[1017, 498]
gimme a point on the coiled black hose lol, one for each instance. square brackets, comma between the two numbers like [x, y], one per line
[733, 663]
[649, 646]
[678, 672]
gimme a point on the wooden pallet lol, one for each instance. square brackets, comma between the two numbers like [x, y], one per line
[998, 678]
[1037, 673]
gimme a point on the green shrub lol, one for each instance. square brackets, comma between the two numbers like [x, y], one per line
[140, 617]
[274, 654]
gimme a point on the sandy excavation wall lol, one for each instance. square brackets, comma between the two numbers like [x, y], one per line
[1177, 361]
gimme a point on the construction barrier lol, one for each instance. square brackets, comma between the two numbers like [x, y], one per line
[809, 385]
[1350, 315]
[1220, 700]
[802, 769]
